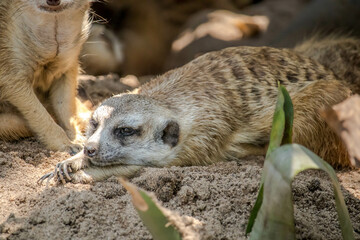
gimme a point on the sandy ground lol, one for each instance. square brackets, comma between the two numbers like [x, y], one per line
[219, 196]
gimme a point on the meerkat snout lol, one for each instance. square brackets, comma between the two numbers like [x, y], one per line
[58, 6]
[90, 150]
[91, 147]
[53, 2]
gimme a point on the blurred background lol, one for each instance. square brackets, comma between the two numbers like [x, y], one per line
[138, 39]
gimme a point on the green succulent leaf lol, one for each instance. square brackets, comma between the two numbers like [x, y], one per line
[281, 133]
[151, 215]
[289, 116]
[275, 218]
[272, 216]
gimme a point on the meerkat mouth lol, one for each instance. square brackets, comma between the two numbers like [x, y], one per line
[56, 9]
[109, 164]
[104, 164]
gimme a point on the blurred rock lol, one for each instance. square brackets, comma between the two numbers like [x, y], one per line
[103, 52]
[93, 90]
[211, 30]
[344, 118]
[136, 36]
[324, 17]
[255, 25]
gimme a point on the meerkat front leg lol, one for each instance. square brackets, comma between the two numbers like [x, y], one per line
[63, 102]
[78, 169]
[37, 117]
[94, 174]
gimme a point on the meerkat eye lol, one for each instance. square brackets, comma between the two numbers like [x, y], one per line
[124, 132]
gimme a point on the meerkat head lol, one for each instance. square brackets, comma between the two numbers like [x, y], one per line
[57, 6]
[132, 129]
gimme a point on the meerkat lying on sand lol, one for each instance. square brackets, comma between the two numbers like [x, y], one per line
[40, 41]
[219, 107]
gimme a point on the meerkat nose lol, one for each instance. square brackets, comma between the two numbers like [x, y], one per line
[90, 150]
[53, 2]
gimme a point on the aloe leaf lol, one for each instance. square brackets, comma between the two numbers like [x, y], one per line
[151, 215]
[289, 116]
[275, 217]
[278, 124]
[255, 209]
[281, 133]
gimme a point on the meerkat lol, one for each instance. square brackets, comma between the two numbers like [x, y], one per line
[217, 107]
[40, 41]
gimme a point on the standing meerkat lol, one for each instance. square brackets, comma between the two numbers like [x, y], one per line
[40, 41]
[217, 107]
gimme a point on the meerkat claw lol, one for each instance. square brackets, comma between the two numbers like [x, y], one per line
[61, 178]
[65, 167]
[56, 169]
[59, 173]
[62, 173]
[47, 176]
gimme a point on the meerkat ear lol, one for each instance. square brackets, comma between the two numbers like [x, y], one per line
[171, 133]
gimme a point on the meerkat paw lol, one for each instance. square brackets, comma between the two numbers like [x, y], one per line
[58, 141]
[62, 176]
[75, 135]
[68, 171]
[72, 148]
[76, 145]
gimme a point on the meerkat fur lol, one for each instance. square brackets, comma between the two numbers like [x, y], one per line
[39, 49]
[217, 107]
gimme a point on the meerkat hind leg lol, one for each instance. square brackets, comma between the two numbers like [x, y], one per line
[13, 127]
[310, 129]
[238, 150]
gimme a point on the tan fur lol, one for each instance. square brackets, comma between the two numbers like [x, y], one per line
[38, 71]
[217, 107]
[340, 54]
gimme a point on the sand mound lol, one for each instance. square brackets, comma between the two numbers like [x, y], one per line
[215, 199]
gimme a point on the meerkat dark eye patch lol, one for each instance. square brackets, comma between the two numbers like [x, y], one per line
[171, 133]
[122, 132]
